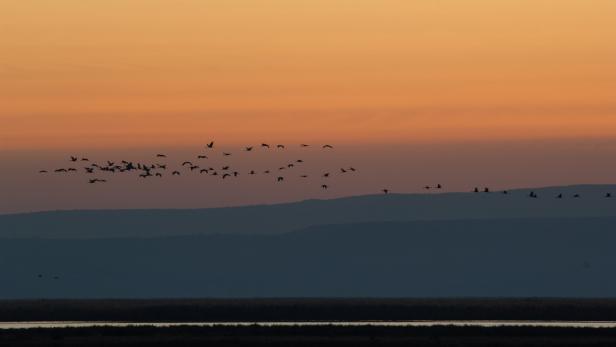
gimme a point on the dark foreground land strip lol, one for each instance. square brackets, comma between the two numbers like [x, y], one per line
[242, 310]
[310, 336]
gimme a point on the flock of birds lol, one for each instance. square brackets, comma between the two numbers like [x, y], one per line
[158, 169]
[534, 195]
[161, 166]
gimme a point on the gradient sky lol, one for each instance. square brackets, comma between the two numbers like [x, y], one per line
[487, 87]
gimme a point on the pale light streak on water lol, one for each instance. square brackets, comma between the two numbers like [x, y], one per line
[485, 324]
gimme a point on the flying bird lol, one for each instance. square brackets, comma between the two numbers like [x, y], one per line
[73, 158]
[175, 173]
[202, 157]
[43, 171]
[248, 149]
[326, 174]
[226, 175]
[280, 146]
[210, 145]
[226, 154]
[161, 156]
[305, 145]
[265, 145]
[328, 146]
[280, 179]
[187, 163]
[386, 191]
[325, 186]
[92, 181]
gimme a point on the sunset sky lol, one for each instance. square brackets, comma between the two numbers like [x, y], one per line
[491, 88]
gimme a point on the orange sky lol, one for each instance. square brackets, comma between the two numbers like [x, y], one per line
[117, 73]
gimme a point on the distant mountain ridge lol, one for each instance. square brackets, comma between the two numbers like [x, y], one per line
[543, 257]
[283, 218]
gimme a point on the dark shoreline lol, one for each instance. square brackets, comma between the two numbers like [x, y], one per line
[309, 336]
[234, 310]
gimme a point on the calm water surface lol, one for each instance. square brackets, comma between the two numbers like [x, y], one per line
[537, 324]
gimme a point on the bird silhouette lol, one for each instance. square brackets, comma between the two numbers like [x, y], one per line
[427, 187]
[280, 146]
[328, 146]
[352, 169]
[342, 170]
[439, 186]
[210, 145]
[252, 172]
[608, 195]
[175, 173]
[305, 145]
[72, 169]
[203, 171]
[386, 191]
[577, 196]
[187, 163]
[299, 161]
[290, 166]
[266, 171]
[559, 196]
[505, 192]
[486, 190]
[476, 190]
[248, 149]
[326, 174]
[89, 170]
[85, 159]
[43, 171]
[226, 175]
[73, 158]
[265, 145]
[202, 157]
[194, 167]
[280, 179]
[532, 195]
[224, 168]
[235, 173]
[158, 174]
[226, 154]
[96, 180]
[304, 176]
[60, 170]
[161, 156]
[325, 186]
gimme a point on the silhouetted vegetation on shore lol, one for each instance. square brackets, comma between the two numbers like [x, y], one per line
[310, 336]
[212, 310]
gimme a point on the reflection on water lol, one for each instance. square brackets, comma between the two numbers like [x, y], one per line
[536, 324]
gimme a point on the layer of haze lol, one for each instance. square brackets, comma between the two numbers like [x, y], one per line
[476, 92]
